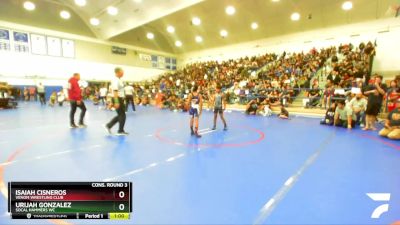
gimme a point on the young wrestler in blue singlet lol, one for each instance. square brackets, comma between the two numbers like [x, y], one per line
[196, 106]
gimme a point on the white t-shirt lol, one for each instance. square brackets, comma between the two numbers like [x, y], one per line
[117, 84]
[60, 96]
[65, 90]
[103, 92]
[242, 83]
[358, 104]
[40, 88]
[128, 90]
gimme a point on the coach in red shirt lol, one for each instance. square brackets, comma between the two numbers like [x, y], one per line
[75, 98]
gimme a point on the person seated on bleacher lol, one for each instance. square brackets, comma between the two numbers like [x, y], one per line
[350, 82]
[264, 108]
[328, 94]
[302, 82]
[145, 101]
[334, 77]
[392, 95]
[369, 49]
[313, 96]
[291, 92]
[344, 116]
[392, 124]
[165, 100]
[397, 79]
[168, 101]
[5, 94]
[173, 103]
[359, 104]
[358, 74]
[235, 92]
[159, 98]
[284, 96]
[275, 83]
[242, 95]
[182, 105]
[274, 97]
[252, 107]
[329, 115]
[284, 114]
[295, 89]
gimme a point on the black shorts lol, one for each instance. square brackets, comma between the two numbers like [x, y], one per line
[344, 123]
[373, 109]
[218, 110]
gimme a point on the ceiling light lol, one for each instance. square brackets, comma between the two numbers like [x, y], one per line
[347, 5]
[254, 26]
[138, 1]
[65, 14]
[275, 0]
[199, 39]
[223, 33]
[196, 21]
[112, 10]
[94, 21]
[295, 16]
[178, 43]
[29, 6]
[150, 35]
[80, 2]
[230, 10]
[171, 29]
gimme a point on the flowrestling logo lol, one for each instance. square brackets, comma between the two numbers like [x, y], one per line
[380, 197]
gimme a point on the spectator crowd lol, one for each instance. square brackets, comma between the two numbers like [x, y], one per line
[335, 78]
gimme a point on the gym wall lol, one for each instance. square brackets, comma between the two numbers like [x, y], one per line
[93, 59]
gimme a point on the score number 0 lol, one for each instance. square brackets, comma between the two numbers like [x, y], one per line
[121, 195]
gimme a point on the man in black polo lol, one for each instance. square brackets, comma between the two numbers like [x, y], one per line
[375, 93]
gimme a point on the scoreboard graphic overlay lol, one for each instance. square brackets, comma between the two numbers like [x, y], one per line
[70, 200]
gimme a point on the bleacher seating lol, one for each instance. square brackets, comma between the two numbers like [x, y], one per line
[288, 75]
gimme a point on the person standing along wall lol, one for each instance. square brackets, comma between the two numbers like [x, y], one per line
[103, 94]
[32, 94]
[129, 97]
[75, 98]
[26, 94]
[41, 93]
[60, 98]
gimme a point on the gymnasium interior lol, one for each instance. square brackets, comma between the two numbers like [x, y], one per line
[211, 111]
